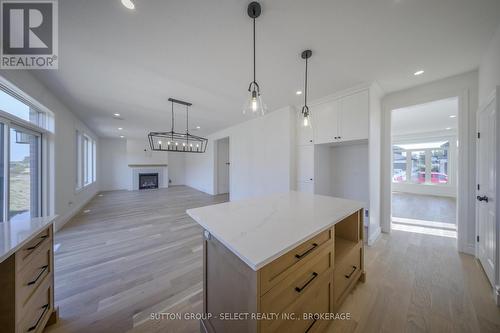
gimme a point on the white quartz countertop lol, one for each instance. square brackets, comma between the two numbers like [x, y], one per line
[15, 234]
[261, 229]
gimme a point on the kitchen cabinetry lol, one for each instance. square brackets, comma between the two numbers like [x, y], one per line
[342, 119]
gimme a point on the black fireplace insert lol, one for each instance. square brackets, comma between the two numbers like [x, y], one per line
[148, 181]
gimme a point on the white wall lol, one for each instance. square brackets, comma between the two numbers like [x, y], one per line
[114, 172]
[177, 168]
[261, 153]
[117, 154]
[465, 86]
[489, 69]
[67, 201]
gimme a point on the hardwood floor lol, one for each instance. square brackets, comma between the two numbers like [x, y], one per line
[424, 207]
[136, 253]
[131, 254]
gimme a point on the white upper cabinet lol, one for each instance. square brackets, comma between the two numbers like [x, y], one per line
[325, 119]
[343, 119]
[354, 116]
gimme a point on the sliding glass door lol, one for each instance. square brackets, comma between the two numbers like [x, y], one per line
[24, 174]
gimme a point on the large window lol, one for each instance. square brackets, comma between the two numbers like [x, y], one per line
[24, 174]
[421, 163]
[85, 160]
[22, 128]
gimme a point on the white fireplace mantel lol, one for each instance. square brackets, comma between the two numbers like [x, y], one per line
[136, 169]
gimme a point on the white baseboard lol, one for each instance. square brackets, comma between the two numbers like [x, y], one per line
[374, 235]
[62, 220]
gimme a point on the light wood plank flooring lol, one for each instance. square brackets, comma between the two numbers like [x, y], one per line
[424, 207]
[131, 254]
[137, 252]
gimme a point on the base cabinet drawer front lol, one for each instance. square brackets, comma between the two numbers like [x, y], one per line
[27, 252]
[347, 272]
[316, 300]
[33, 275]
[277, 270]
[296, 285]
[37, 311]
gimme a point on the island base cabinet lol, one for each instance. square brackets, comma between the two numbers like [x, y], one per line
[290, 293]
[26, 281]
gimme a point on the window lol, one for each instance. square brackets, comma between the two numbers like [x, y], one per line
[421, 163]
[21, 134]
[13, 104]
[85, 160]
[24, 174]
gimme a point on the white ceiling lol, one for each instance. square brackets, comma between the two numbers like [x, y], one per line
[428, 117]
[116, 60]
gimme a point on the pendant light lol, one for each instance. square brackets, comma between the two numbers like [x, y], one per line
[306, 114]
[254, 106]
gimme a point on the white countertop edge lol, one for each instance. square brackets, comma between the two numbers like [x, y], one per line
[50, 221]
[259, 265]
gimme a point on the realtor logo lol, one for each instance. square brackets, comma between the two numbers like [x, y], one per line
[29, 34]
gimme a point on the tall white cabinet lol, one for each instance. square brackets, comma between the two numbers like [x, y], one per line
[340, 155]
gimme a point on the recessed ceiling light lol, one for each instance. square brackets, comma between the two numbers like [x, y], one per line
[298, 92]
[116, 114]
[121, 136]
[448, 128]
[198, 127]
[128, 3]
[420, 72]
[120, 128]
[453, 116]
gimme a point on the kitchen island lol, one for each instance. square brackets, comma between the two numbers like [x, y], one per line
[276, 263]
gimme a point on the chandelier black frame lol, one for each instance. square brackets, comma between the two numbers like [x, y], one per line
[177, 142]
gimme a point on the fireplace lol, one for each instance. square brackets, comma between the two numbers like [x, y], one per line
[148, 181]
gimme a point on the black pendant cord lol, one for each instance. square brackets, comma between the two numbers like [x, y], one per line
[254, 70]
[187, 125]
[172, 121]
[305, 90]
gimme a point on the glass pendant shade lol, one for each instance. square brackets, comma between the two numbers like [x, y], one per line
[305, 118]
[254, 106]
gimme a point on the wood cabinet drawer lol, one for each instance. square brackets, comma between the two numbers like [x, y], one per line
[37, 311]
[32, 275]
[347, 271]
[276, 271]
[26, 253]
[316, 300]
[296, 285]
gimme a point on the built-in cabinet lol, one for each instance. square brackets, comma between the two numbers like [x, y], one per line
[342, 119]
[340, 156]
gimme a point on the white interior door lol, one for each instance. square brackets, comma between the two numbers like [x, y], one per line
[486, 201]
[223, 166]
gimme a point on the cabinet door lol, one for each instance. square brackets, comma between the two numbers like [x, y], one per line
[354, 116]
[305, 187]
[305, 163]
[325, 121]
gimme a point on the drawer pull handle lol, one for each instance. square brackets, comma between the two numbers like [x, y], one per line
[37, 244]
[43, 269]
[299, 289]
[300, 256]
[310, 326]
[350, 274]
[45, 308]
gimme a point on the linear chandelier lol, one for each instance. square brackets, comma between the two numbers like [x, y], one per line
[177, 142]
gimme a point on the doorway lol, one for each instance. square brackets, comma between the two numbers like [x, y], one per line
[424, 164]
[223, 166]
